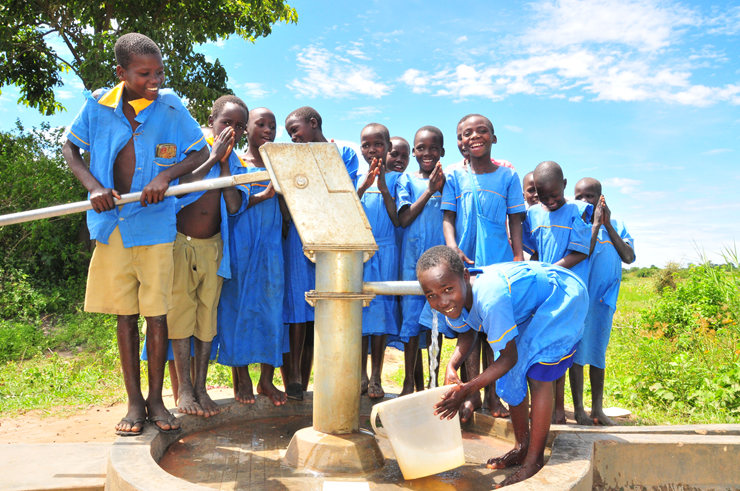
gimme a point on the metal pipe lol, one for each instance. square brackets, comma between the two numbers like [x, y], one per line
[191, 187]
[337, 342]
[392, 287]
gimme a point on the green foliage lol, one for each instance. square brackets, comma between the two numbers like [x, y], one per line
[666, 277]
[89, 30]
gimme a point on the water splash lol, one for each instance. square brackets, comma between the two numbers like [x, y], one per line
[434, 351]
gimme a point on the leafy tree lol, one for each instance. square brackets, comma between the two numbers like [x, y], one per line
[89, 29]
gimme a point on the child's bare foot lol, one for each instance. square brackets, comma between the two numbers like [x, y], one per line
[364, 384]
[513, 457]
[525, 472]
[210, 408]
[469, 406]
[496, 407]
[162, 417]
[269, 390]
[375, 390]
[408, 387]
[599, 418]
[133, 422]
[244, 390]
[583, 419]
[558, 417]
[188, 404]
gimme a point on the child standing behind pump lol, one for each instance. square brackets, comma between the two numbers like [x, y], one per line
[380, 318]
[478, 200]
[250, 314]
[419, 200]
[556, 232]
[611, 245]
[140, 138]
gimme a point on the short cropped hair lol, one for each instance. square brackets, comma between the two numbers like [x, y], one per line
[590, 182]
[402, 139]
[220, 103]
[132, 44]
[465, 118]
[306, 113]
[547, 172]
[380, 129]
[438, 255]
[431, 129]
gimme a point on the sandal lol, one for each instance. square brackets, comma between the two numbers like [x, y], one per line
[137, 422]
[159, 419]
[294, 391]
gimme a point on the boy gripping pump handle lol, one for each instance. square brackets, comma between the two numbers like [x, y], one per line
[80, 206]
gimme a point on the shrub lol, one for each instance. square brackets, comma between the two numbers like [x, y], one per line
[666, 277]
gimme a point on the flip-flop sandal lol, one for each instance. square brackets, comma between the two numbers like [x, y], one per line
[137, 422]
[294, 391]
[159, 419]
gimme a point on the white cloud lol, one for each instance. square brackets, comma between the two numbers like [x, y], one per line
[253, 90]
[717, 151]
[64, 94]
[332, 76]
[625, 185]
[416, 80]
[361, 112]
[728, 23]
[461, 39]
[513, 129]
[577, 98]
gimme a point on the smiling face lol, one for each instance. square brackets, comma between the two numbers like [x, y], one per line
[373, 144]
[143, 76]
[477, 137]
[588, 192]
[463, 151]
[551, 193]
[398, 158]
[446, 292]
[302, 131]
[232, 115]
[427, 150]
[530, 192]
[261, 128]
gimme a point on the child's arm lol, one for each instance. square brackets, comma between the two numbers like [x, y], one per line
[571, 260]
[101, 197]
[625, 251]
[408, 214]
[372, 173]
[221, 149]
[453, 399]
[154, 191]
[448, 229]
[232, 197]
[268, 193]
[390, 203]
[515, 229]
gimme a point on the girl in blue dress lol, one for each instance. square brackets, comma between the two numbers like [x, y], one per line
[532, 314]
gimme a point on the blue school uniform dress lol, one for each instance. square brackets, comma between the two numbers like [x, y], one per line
[250, 312]
[421, 234]
[555, 234]
[541, 307]
[166, 133]
[604, 279]
[300, 272]
[381, 316]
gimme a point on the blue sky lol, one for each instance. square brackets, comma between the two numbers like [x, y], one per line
[643, 95]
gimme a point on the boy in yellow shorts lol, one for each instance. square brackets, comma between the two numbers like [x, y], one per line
[140, 138]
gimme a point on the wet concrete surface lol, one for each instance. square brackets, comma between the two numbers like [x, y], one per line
[248, 456]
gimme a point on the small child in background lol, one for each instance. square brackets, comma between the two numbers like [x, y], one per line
[611, 245]
[380, 318]
[530, 192]
[398, 156]
[250, 313]
[419, 213]
[545, 305]
[304, 125]
[556, 232]
[478, 200]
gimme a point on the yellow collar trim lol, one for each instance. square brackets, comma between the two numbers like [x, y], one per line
[113, 97]
[210, 139]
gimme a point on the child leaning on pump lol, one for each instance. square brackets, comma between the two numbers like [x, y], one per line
[140, 138]
[532, 313]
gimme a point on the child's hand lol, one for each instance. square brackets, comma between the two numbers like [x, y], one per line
[269, 192]
[372, 173]
[451, 402]
[153, 192]
[606, 214]
[463, 257]
[382, 185]
[437, 179]
[101, 199]
[223, 144]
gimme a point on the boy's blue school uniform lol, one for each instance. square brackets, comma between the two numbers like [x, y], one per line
[540, 306]
[300, 272]
[250, 312]
[102, 129]
[499, 194]
[421, 234]
[381, 316]
[555, 234]
[604, 279]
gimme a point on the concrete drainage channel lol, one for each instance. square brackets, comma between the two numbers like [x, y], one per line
[662, 458]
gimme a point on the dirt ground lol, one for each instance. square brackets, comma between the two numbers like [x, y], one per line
[96, 423]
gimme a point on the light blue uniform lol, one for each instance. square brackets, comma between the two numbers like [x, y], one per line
[555, 234]
[381, 316]
[250, 313]
[604, 279]
[540, 306]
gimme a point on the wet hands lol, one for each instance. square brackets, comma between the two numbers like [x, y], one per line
[223, 144]
[101, 199]
[451, 400]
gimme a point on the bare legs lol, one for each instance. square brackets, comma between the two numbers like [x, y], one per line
[156, 351]
[297, 336]
[492, 401]
[410, 357]
[192, 396]
[597, 415]
[373, 385]
[558, 415]
[127, 332]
